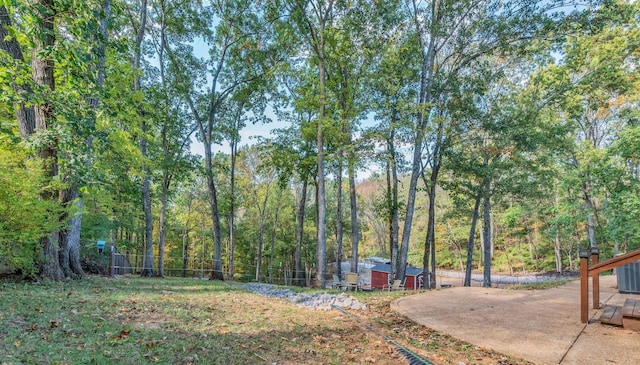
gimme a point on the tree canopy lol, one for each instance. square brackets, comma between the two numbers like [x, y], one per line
[407, 123]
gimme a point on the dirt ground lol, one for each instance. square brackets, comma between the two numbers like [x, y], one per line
[542, 326]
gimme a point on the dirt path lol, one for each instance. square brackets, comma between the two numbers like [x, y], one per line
[542, 326]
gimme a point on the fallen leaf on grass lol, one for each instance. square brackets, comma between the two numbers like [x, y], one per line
[122, 335]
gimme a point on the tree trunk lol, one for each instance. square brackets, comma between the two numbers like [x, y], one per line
[147, 262]
[166, 181]
[557, 249]
[185, 237]
[263, 212]
[430, 241]
[70, 235]
[422, 117]
[354, 214]
[273, 237]
[44, 118]
[486, 233]
[232, 207]
[339, 215]
[590, 210]
[436, 161]
[392, 202]
[321, 249]
[216, 271]
[24, 113]
[298, 276]
[472, 235]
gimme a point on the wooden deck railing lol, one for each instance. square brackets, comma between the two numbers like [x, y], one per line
[596, 268]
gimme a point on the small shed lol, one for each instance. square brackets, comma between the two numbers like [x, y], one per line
[380, 277]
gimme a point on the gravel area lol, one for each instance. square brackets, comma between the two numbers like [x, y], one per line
[321, 301]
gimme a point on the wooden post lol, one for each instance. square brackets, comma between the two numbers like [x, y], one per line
[112, 261]
[595, 278]
[584, 284]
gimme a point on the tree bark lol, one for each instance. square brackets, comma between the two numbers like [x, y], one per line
[273, 238]
[216, 270]
[339, 215]
[392, 202]
[300, 234]
[232, 206]
[43, 68]
[263, 211]
[426, 80]
[147, 269]
[70, 235]
[166, 181]
[590, 210]
[486, 233]
[354, 214]
[321, 249]
[24, 113]
[471, 245]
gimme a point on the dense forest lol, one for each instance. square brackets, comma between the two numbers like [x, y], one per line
[462, 134]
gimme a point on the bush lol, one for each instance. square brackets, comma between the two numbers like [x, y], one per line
[24, 218]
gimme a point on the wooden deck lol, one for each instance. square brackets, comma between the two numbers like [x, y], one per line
[627, 316]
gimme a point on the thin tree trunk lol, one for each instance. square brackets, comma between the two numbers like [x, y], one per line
[262, 211]
[185, 236]
[429, 257]
[147, 269]
[216, 272]
[166, 181]
[300, 234]
[426, 80]
[339, 215]
[392, 202]
[486, 232]
[232, 207]
[558, 252]
[321, 249]
[354, 214]
[472, 235]
[590, 210]
[273, 237]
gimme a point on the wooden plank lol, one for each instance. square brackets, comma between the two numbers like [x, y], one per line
[607, 314]
[636, 310]
[612, 315]
[615, 262]
[631, 308]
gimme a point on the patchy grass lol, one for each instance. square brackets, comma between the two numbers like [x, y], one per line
[131, 320]
[543, 285]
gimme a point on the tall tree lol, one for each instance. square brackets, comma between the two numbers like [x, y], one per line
[176, 129]
[42, 64]
[240, 58]
[452, 37]
[313, 19]
[69, 236]
[139, 27]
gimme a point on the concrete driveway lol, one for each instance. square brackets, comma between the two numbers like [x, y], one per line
[542, 326]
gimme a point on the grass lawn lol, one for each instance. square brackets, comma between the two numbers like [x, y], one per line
[132, 320]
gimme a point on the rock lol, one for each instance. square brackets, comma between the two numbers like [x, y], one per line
[323, 301]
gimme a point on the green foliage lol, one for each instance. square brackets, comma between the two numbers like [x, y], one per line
[24, 218]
